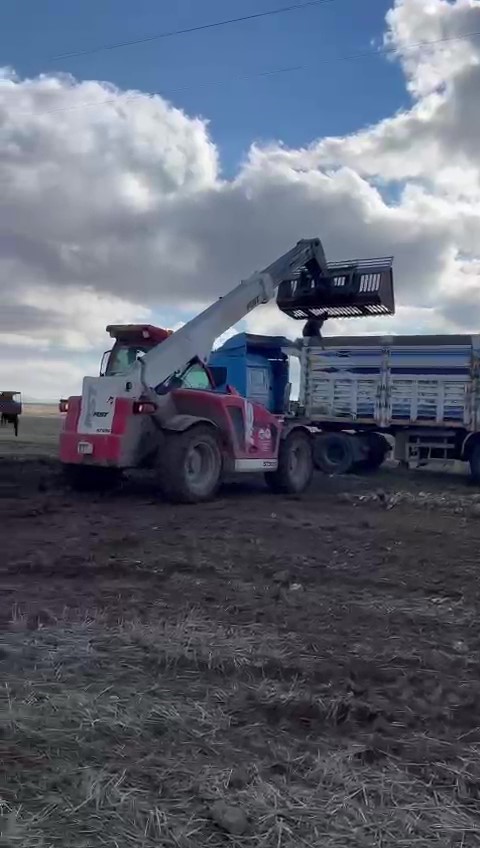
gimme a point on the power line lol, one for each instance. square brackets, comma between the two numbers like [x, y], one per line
[383, 52]
[200, 28]
[257, 75]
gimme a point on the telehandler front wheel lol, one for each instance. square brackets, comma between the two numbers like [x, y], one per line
[295, 465]
[191, 465]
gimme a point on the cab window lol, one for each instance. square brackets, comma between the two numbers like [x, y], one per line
[123, 357]
[195, 377]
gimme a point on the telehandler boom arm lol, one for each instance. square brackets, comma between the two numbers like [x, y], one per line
[196, 338]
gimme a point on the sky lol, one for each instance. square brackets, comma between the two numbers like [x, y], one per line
[140, 182]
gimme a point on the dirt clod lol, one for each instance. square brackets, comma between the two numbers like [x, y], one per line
[282, 577]
[230, 819]
[239, 777]
[40, 618]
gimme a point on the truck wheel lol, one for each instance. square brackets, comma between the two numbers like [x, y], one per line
[333, 453]
[378, 448]
[191, 465]
[475, 463]
[89, 478]
[295, 465]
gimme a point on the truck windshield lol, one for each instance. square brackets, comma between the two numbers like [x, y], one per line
[123, 357]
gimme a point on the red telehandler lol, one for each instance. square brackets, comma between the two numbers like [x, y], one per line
[155, 405]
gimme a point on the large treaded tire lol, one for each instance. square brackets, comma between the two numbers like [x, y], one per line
[474, 462]
[334, 453]
[295, 465]
[190, 465]
[378, 450]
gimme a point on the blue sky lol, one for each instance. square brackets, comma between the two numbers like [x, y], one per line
[197, 71]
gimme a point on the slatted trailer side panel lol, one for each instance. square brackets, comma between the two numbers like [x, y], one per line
[392, 382]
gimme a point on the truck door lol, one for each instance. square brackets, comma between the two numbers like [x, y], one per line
[258, 385]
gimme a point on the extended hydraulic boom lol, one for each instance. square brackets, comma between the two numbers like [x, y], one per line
[196, 338]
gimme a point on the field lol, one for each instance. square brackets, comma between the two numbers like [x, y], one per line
[257, 671]
[38, 433]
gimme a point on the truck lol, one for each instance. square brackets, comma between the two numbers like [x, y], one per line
[421, 391]
[157, 404]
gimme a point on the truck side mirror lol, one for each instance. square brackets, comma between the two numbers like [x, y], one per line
[218, 375]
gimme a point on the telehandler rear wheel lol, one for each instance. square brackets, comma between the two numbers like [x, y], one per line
[191, 465]
[295, 465]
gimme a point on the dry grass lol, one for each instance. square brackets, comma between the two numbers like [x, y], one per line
[126, 736]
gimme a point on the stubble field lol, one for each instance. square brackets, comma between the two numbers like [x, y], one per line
[257, 671]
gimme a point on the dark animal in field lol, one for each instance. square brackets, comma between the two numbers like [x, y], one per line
[7, 419]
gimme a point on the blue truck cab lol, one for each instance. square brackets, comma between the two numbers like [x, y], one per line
[257, 367]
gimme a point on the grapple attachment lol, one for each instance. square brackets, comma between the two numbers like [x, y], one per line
[350, 289]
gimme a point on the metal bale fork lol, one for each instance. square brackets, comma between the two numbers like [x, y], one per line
[346, 289]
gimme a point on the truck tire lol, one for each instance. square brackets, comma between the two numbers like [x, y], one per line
[333, 453]
[378, 448]
[295, 465]
[475, 463]
[191, 465]
[91, 478]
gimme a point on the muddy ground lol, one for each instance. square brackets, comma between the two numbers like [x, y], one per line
[258, 671]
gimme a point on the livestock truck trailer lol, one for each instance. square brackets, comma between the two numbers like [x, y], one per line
[355, 391]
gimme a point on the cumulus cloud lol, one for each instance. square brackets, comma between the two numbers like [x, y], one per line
[113, 206]
[434, 141]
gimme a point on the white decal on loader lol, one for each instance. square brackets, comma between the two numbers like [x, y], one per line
[249, 465]
[98, 406]
[89, 406]
[249, 419]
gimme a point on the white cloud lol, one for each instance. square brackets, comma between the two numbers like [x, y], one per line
[49, 317]
[112, 202]
[43, 376]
